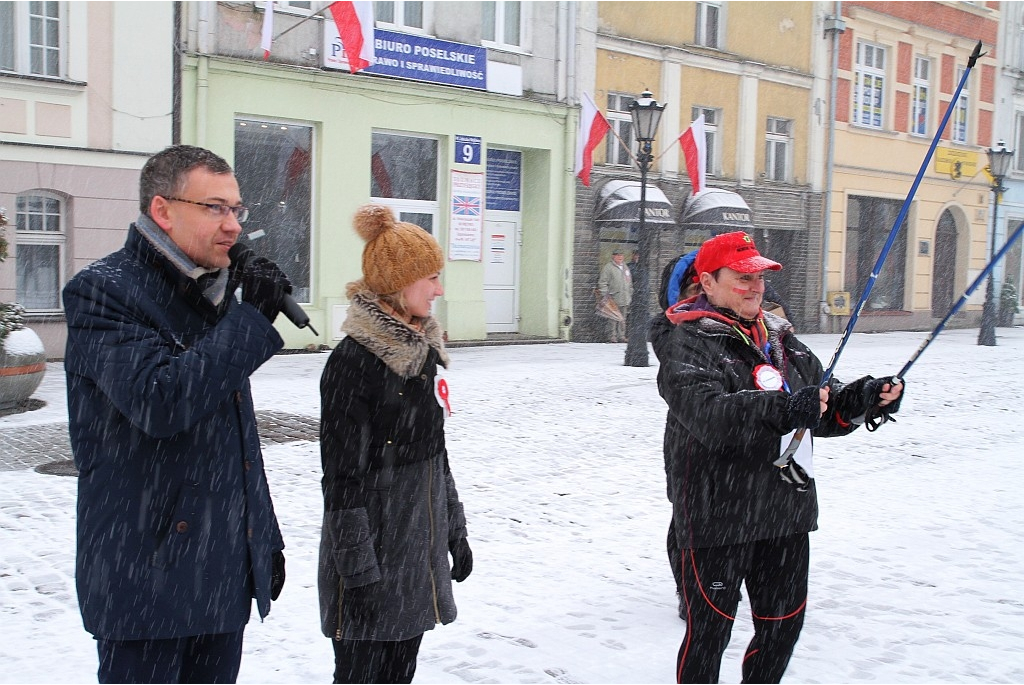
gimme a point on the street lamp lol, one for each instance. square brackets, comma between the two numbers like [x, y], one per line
[646, 114]
[999, 159]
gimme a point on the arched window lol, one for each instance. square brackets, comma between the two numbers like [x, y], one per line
[39, 250]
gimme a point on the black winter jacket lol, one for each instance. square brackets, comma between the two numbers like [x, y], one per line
[722, 433]
[391, 508]
[176, 528]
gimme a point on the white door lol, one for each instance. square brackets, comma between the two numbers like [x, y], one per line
[501, 276]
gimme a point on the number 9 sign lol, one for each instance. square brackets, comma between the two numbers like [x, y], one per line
[467, 149]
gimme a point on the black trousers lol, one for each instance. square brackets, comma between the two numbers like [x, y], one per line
[775, 574]
[371, 661]
[196, 659]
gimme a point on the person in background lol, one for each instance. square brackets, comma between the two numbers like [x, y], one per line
[616, 282]
[740, 388]
[392, 513]
[176, 529]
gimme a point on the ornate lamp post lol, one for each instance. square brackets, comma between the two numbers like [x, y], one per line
[646, 115]
[999, 158]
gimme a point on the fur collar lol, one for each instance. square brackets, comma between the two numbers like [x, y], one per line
[401, 348]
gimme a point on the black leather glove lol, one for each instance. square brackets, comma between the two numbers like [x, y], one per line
[276, 575]
[795, 475]
[804, 408]
[876, 415]
[462, 559]
[264, 285]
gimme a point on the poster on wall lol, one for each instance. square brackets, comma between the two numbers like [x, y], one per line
[466, 232]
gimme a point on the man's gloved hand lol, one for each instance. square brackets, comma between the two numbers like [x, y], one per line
[462, 559]
[876, 414]
[276, 575]
[357, 604]
[795, 475]
[264, 285]
[804, 408]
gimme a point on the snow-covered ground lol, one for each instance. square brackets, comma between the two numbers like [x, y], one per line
[917, 571]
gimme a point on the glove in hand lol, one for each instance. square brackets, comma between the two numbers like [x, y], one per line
[276, 575]
[264, 285]
[876, 415]
[804, 408]
[462, 559]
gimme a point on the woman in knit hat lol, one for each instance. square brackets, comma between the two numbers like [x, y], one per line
[392, 514]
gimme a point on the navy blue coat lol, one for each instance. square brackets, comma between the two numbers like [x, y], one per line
[176, 527]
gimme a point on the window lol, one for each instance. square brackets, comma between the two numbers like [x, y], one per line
[30, 38]
[778, 135]
[274, 168]
[869, 89]
[404, 176]
[708, 15]
[621, 122]
[406, 15]
[503, 23]
[919, 97]
[40, 244]
[959, 133]
[712, 120]
[869, 221]
[1018, 159]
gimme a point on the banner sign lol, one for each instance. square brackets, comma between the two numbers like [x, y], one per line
[418, 58]
[504, 171]
[466, 228]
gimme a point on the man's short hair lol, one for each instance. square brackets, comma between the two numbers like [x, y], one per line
[164, 172]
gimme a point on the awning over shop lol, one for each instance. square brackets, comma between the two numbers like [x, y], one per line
[716, 210]
[619, 202]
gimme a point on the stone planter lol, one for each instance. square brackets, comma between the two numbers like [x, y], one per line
[22, 365]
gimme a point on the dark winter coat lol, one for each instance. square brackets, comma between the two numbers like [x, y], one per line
[722, 433]
[391, 509]
[175, 524]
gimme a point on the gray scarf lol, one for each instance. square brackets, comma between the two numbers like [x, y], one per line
[213, 288]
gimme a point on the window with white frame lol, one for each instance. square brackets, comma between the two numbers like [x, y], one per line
[778, 138]
[919, 96]
[404, 15]
[712, 120]
[503, 23]
[961, 111]
[621, 122]
[30, 38]
[708, 24]
[274, 168]
[404, 177]
[869, 86]
[39, 219]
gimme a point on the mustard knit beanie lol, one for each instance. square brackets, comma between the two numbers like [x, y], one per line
[397, 253]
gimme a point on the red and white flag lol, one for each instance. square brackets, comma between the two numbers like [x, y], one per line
[593, 127]
[355, 27]
[695, 151]
[267, 36]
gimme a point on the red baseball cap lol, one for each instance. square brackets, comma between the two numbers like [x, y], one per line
[735, 250]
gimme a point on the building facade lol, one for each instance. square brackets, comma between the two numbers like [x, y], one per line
[463, 127]
[1009, 127]
[76, 125]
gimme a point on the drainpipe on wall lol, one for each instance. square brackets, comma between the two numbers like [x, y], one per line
[835, 26]
[569, 208]
[176, 78]
[203, 70]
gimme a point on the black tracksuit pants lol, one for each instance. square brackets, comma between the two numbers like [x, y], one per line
[775, 574]
[372, 661]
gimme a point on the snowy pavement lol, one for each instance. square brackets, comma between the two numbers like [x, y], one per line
[917, 571]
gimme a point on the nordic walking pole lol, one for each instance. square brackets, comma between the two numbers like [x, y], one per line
[798, 438]
[898, 378]
[899, 219]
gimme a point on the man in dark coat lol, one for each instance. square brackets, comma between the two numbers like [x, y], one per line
[176, 528]
[739, 388]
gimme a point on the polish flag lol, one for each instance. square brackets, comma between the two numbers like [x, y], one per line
[355, 27]
[695, 151]
[593, 127]
[267, 36]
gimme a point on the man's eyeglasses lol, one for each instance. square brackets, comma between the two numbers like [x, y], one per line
[241, 213]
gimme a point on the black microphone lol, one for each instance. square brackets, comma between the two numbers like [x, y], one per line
[240, 256]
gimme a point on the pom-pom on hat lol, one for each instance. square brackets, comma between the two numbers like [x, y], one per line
[735, 250]
[397, 254]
